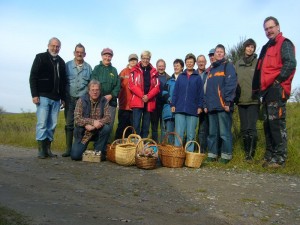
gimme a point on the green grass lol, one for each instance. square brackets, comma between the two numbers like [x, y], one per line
[19, 130]
[11, 217]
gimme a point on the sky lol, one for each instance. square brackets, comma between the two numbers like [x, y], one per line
[168, 29]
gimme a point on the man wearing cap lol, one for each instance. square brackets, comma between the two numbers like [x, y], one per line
[108, 77]
[125, 113]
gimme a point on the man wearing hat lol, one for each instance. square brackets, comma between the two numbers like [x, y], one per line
[125, 112]
[108, 77]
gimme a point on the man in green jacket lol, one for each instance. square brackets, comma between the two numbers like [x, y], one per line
[107, 75]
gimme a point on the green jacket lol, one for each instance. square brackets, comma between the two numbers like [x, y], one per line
[110, 81]
[245, 73]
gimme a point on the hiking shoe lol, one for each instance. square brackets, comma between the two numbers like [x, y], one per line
[210, 159]
[224, 161]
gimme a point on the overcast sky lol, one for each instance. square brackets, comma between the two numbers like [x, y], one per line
[169, 29]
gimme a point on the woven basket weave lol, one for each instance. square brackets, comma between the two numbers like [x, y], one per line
[146, 162]
[171, 156]
[111, 148]
[125, 153]
[193, 159]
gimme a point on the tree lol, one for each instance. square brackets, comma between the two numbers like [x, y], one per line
[2, 110]
[295, 95]
[236, 52]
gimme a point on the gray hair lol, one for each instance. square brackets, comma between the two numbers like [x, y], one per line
[94, 82]
[146, 53]
[79, 45]
[54, 38]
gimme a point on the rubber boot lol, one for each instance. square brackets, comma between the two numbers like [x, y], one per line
[47, 146]
[253, 143]
[41, 151]
[69, 140]
[246, 140]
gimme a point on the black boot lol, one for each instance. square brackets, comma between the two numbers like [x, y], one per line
[69, 140]
[47, 145]
[41, 151]
[253, 143]
[246, 141]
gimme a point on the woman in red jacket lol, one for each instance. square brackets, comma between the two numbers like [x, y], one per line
[144, 86]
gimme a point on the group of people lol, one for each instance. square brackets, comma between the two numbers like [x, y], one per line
[147, 96]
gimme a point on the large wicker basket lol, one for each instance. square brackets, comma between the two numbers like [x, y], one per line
[170, 155]
[111, 148]
[125, 153]
[193, 159]
[142, 160]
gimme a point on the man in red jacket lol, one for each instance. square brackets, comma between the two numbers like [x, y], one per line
[273, 77]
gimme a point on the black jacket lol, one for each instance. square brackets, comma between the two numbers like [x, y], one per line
[48, 77]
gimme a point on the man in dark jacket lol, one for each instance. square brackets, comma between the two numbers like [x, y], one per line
[92, 118]
[47, 84]
[272, 80]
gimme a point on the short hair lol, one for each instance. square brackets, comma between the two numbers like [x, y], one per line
[201, 56]
[79, 45]
[190, 56]
[220, 46]
[94, 82]
[160, 60]
[180, 61]
[54, 38]
[271, 18]
[146, 53]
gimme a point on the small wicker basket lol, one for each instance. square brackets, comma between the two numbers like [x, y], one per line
[91, 156]
[111, 148]
[125, 153]
[142, 160]
[171, 156]
[193, 159]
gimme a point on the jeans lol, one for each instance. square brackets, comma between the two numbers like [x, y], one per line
[220, 123]
[203, 131]
[156, 118]
[99, 138]
[138, 115]
[47, 112]
[124, 120]
[69, 112]
[169, 126]
[188, 123]
[248, 118]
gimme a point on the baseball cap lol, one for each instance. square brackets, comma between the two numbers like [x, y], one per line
[212, 51]
[133, 56]
[107, 51]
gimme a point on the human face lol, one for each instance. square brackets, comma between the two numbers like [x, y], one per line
[177, 68]
[161, 67]
[219, 54]
[145, 60]
[271, 29]
[132, 63]
[54, 47]
[79, 54]
[249, 50]
[189, 63]
[201, 63]
[106, 59]
[94, 91]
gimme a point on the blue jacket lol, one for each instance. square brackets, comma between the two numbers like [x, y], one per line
[167, 94]
[220, 86]
[188, 93]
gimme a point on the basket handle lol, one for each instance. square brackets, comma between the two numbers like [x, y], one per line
[124, 132]
[133, 136]
[141, 142]
[186, 145]
[173, 133]
[112, 144]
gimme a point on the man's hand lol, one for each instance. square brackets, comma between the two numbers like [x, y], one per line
[145, 98]
[199, 111]
[226, 108]
[173, 109]
[108, 97]
[89, 127]
[36, 100]
[97, 124]
[205, 110]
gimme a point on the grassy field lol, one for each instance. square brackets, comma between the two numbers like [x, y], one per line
[19, 130]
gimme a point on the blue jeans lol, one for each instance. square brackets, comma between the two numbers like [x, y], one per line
[144, 116]
[169, 126]
[220, 123]
[99, 138]
[47, 112]
[185, 123]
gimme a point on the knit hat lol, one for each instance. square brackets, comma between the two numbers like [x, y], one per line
[248, 42]
[107, 51]
[133, 56]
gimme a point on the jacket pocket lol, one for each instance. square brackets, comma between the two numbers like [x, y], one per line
[274, 93]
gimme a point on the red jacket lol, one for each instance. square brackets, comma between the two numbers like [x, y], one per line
[136, 85]
[125, 94]
[271, 66]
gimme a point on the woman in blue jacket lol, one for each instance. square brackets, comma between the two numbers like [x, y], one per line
[187, 101]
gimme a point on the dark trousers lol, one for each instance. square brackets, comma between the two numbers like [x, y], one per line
[156, 119]
[141, 116]
[124, 120]
[203, 131]
[248, 118]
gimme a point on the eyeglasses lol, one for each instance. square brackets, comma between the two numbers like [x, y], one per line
[270, 28]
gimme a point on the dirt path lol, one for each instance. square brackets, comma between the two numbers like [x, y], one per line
[61, 191]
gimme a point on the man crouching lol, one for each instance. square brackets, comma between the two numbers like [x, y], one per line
[92, 118]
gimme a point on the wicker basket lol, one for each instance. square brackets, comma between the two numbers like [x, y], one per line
[91, 156]
[142, 161]
[193, 159]
[111, 148]
[170, 155]
[125, 153]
